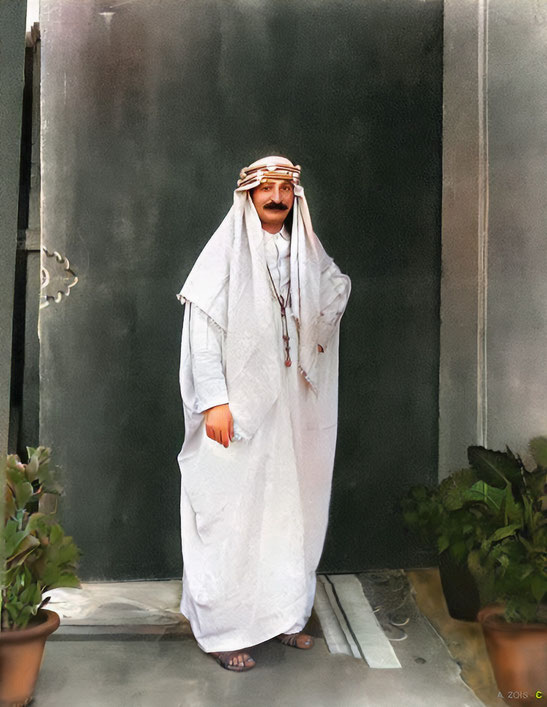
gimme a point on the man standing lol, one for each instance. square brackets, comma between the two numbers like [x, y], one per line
[259, 383]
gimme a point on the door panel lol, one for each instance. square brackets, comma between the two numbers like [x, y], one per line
[150, 109]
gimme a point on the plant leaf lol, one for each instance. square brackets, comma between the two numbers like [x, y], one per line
[514, 510]
[442, 543]
[492, 496]
[495, 468]
[25, 547]
[12, 537]
[505, 532]
[538, 586]
[538, 449]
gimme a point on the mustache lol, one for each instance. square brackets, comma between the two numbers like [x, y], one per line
[276, 206]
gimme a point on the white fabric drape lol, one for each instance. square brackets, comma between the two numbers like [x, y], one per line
[254, 516]
[206, 345]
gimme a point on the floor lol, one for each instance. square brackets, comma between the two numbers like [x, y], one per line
[124, 656]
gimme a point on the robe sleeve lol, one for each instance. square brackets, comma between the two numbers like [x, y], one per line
[206, 356]
[335, 290]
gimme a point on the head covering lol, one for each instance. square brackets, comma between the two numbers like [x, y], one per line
[272, 167]
[230, 283]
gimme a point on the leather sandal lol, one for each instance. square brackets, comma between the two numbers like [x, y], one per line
[223, 658]
[296, 640]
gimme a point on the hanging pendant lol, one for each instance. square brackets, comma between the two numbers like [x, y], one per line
[284, 326]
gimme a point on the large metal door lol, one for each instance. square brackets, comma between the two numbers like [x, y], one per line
[149, 110]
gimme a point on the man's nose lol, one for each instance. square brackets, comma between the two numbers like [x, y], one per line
[277, 193]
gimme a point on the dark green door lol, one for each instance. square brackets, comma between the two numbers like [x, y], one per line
[149, 112]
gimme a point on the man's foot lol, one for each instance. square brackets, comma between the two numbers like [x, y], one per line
[239, 661]
[297, 640]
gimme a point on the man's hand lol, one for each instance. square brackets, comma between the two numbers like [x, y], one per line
[320, 348]
[219, 424]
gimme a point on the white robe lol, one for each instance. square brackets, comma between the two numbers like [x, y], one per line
[254, 515]
[206, 339]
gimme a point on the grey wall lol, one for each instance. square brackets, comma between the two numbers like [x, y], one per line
[517, 238]
[12, 57]
[149, 110]
[493, 375]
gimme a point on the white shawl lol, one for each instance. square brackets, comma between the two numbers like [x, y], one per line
[230, 283]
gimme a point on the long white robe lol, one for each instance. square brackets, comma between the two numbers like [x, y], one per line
[254, 515]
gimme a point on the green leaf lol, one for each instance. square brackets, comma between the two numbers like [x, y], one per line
[56, 534]
[451, 489]
[504, 532]
[514, 511]
[419, 493]
[535, 481]
[459, 551]
[538, 586]
[495, 468]
[12, 537]
[528, 511]
[28, 545]
[65, 579]
[504, 561]
[38, 521]
[482, 492]
[527, 544]
[442, 543]
[23, 494]
[32, 468]
[50, 484]
[411, 519]
[538, 449]
[68, 552]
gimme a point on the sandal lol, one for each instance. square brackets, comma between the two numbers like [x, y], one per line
[296, 640]
[225, 659]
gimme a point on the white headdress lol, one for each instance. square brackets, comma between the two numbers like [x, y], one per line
[230, 283]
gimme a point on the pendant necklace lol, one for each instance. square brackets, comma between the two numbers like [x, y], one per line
[284, 327]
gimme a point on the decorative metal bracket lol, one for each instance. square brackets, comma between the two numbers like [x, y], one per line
[57, 278]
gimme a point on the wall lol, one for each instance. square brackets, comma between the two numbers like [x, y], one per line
[517, 247]
[494, 319]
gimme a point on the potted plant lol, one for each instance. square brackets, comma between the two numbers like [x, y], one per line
[510, 568]
[493, 517]
[440, 516]
[35, 556]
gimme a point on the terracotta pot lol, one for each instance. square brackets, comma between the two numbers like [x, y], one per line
[21, 653]
[518, 653]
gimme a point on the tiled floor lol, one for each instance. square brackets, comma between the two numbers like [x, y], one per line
[159, 664]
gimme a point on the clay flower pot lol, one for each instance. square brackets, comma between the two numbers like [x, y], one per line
[518, 653]
[21, 653]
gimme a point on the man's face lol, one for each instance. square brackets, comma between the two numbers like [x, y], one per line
[273, 201]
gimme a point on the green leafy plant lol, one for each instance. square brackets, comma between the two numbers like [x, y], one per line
[35, 554]
[492, 516]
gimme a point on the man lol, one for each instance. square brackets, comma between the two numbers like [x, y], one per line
[258, 375]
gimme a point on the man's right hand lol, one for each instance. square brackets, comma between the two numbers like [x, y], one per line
[219, 424]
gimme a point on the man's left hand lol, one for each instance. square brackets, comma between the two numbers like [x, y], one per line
[320, 348]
